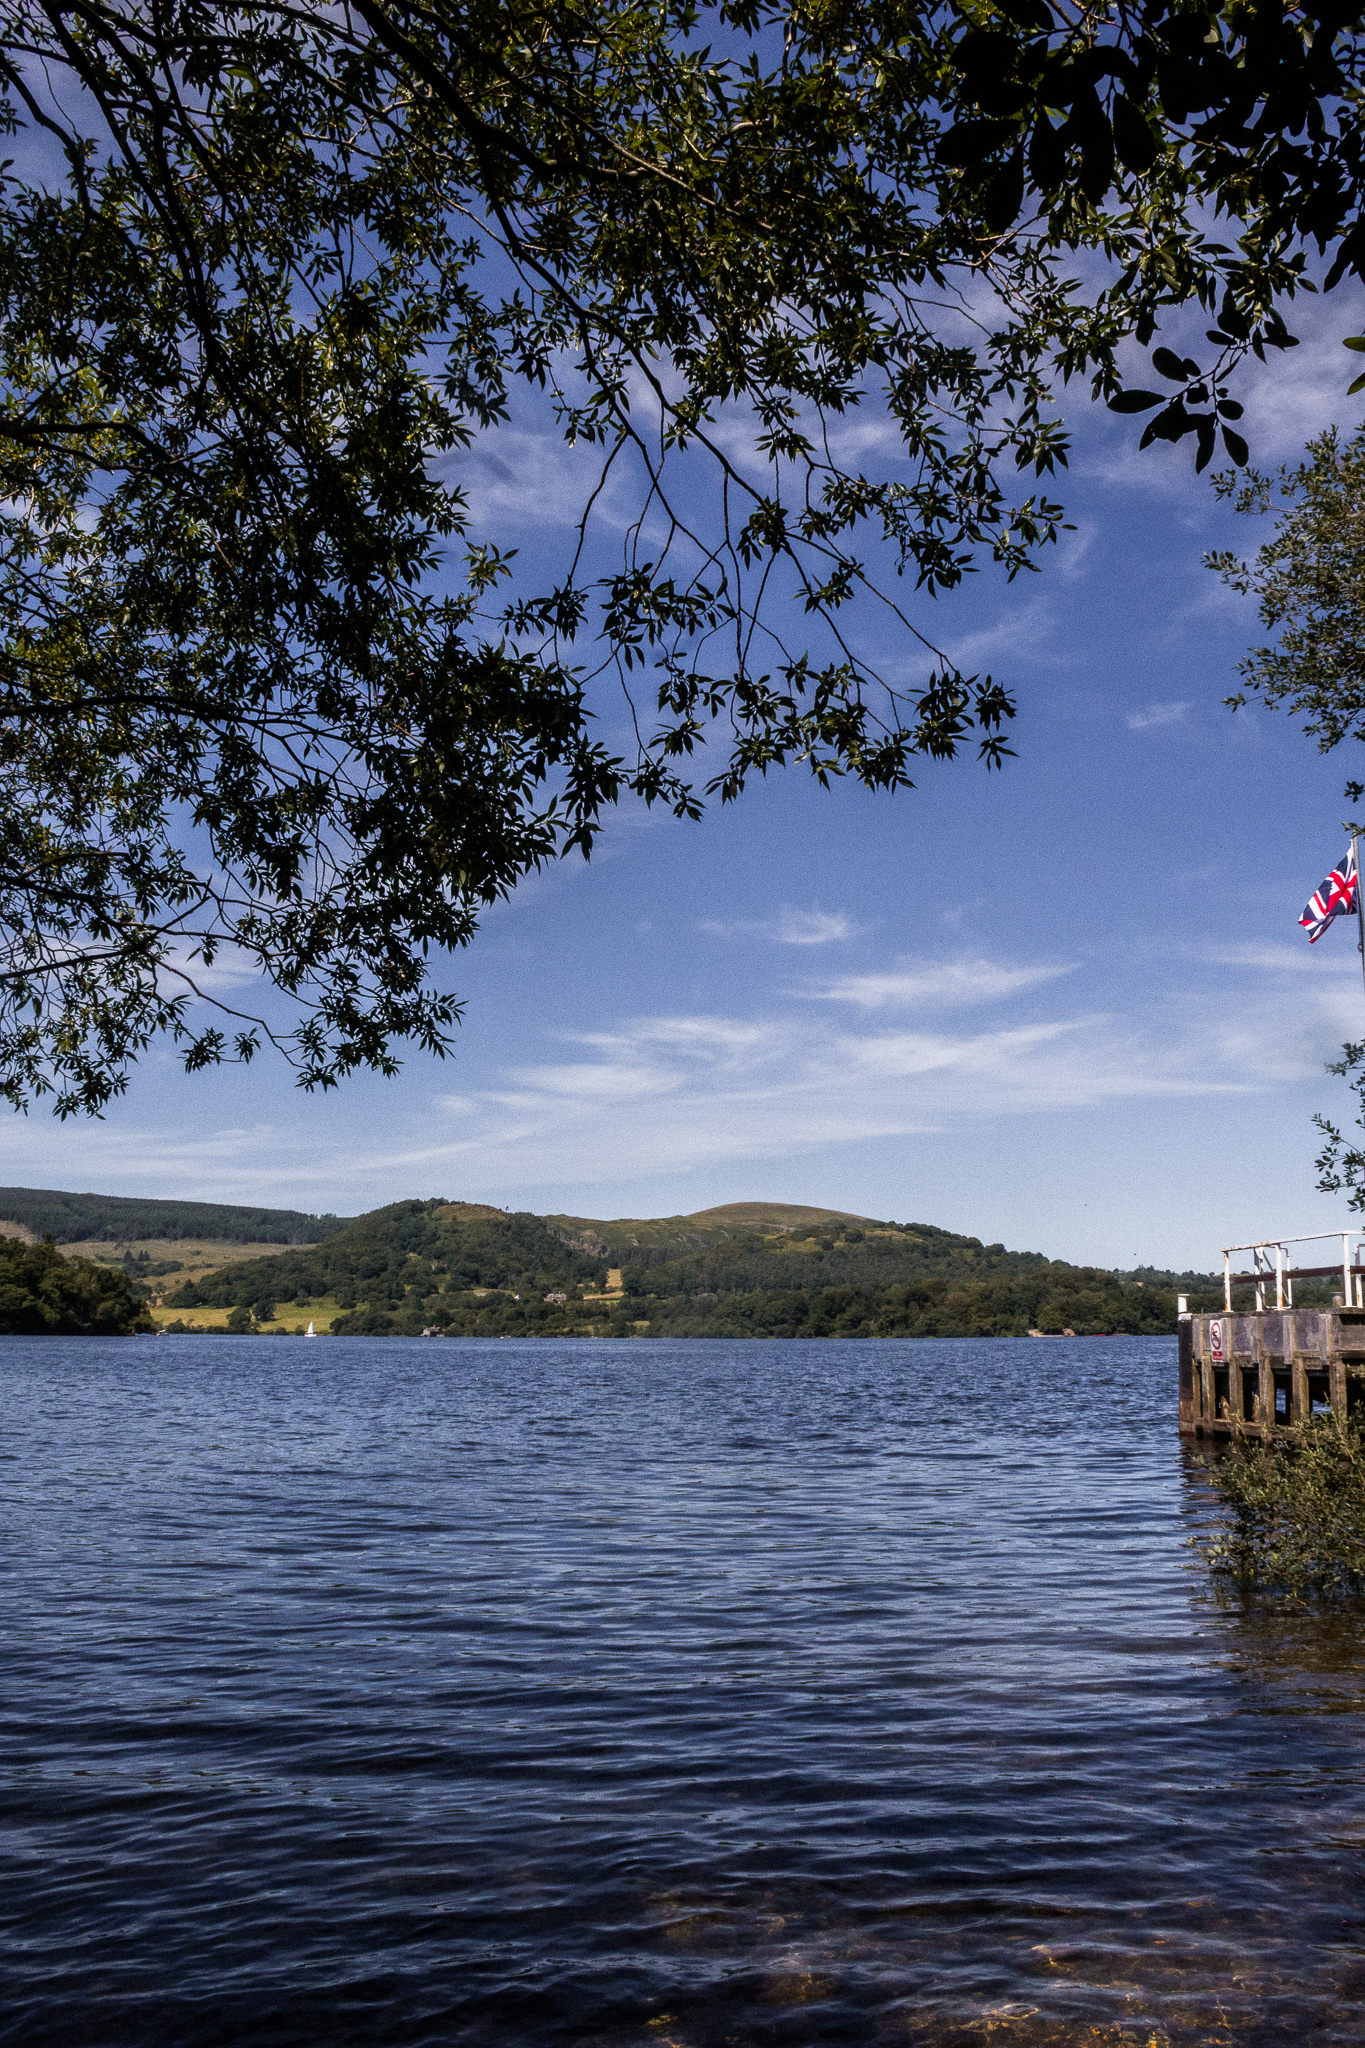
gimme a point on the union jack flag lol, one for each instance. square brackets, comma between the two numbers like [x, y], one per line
[1335, 897]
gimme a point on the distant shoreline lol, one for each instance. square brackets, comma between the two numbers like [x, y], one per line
[744, 1270]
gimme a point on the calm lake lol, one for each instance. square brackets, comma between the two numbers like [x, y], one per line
[384, 1692]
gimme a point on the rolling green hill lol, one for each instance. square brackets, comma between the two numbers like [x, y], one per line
[75, 1219]
[472, 1270]
[853, 1253]
[404, 1267]
[702, 1227]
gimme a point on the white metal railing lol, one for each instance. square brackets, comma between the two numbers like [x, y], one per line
[1263, 1270]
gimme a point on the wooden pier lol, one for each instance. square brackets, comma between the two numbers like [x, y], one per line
[1270, 1369]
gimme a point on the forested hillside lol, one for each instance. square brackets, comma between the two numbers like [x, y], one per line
[1081, 1300]
[43, 1294]
[470, 1271]
[858, 1254]
[403, 1266]
[75, 1219]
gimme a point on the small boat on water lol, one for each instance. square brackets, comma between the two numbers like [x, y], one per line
[310, 1331]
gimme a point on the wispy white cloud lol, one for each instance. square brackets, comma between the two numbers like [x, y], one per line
[788, 928]
[674, 1092]
[1297, 959]
[1025, 631]
[232, 970]
[225, 1163]
[517, 477]
[680, 1090]
[670, 1094]
[813, 927]
[935, 984]
[1154, 715]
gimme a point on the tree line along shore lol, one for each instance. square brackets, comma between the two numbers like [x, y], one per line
[464, 1269]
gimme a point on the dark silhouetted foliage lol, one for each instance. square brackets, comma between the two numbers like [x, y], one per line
[268, 271]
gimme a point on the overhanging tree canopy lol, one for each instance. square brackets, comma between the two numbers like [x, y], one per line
[266, 699]
[1309, 583]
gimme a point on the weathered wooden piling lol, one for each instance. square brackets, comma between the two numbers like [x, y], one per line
[1270, 1369]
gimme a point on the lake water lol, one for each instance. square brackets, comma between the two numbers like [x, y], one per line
[387, 1692]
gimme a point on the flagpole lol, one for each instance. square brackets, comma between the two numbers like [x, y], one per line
[1360, 907]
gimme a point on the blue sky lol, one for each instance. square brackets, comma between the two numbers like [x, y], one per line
[1067, 1006]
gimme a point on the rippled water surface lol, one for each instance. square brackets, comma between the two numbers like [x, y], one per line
[379, 1691]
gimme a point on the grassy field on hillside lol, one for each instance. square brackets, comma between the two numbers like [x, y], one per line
[195, 1255]
[295, 1318]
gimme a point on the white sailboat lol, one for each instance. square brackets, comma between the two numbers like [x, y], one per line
[310, 1331]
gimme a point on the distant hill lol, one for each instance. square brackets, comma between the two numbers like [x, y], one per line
[403, 1266]
[76, 1219]
[702, 1227]
[789, 1272]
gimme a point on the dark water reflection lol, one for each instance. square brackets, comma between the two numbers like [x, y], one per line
[386, 1692]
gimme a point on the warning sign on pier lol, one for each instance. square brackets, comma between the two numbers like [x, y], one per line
[1216, 1341]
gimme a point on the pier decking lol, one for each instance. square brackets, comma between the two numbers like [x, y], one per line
[1269, 1369]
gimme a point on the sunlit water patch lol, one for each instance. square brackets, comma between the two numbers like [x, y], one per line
[378, 1691]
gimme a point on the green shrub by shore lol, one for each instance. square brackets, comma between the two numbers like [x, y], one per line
[1293, 1520]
